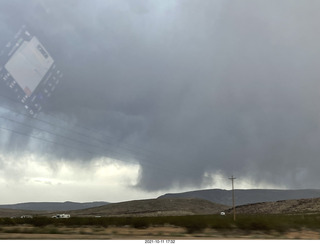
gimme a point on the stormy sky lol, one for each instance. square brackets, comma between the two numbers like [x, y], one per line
[162, 96]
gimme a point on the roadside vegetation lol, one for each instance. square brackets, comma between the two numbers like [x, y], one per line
[192, 224]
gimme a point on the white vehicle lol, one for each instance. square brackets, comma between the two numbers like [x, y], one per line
[222, 213]
[61, 216]
[26, 217]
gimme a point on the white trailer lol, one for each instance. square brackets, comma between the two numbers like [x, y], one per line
[61, 216]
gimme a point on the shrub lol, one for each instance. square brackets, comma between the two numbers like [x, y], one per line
[40, 221]
[194, 224]
[140, 223]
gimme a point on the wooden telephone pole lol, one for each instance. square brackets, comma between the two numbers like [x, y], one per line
[234, 209]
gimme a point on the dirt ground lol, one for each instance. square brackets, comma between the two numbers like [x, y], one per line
[151, 233]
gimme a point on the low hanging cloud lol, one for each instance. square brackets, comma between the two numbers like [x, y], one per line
[101, 179]
[184, 88]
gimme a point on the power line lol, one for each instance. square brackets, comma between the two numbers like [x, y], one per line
[136, 153]
[66, 145]
[128, 151]
[68, 130]
[86, 136]
[101, 145]
[118, 153]
[46, 131]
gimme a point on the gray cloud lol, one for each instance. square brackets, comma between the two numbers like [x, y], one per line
[184, 87]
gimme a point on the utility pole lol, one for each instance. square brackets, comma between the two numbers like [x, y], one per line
[234, 209]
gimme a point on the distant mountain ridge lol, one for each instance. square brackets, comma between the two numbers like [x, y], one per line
[53, 206]
[218, 196]
[247, 196]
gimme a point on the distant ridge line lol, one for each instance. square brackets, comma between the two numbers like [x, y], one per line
[53, 206]
[246, 196]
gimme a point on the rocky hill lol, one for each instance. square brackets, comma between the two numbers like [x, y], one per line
[280, 207]
[242, 197]
[154, 207]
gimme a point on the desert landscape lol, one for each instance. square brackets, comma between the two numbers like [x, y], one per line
[169, 218]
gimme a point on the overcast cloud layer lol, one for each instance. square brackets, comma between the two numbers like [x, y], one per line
[186, 89]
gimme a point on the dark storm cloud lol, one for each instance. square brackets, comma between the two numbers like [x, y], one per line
[186, 87]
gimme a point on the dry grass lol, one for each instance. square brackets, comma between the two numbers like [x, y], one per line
[129, 233]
